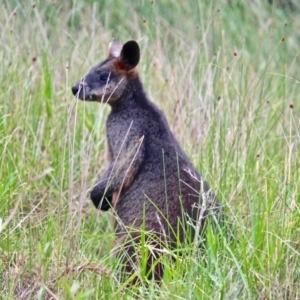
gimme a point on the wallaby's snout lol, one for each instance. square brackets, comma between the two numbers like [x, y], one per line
[75, 89]
[83, 91]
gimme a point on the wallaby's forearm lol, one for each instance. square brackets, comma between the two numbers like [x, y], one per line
[119, 175]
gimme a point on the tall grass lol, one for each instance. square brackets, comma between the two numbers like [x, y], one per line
[227, 76]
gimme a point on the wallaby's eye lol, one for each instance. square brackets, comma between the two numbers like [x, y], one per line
[104, 77]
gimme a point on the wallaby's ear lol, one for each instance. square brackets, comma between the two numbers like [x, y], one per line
[130, 55]
[114, 49]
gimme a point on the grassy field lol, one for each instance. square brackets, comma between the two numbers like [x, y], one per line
[226, 73]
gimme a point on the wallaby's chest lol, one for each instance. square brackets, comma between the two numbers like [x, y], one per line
[122, 133]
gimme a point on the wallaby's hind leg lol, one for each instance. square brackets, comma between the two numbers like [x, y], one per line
[139, 258]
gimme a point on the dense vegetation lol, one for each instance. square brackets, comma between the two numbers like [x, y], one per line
[226, 73]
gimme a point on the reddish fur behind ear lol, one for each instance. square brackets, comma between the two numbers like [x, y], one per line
[120, 68]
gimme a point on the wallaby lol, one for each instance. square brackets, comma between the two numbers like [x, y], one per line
[150, 182]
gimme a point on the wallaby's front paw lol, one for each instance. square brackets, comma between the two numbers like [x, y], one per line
[106, 203]
[99, 198]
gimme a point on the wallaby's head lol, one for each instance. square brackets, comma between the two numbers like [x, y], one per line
[107, 81]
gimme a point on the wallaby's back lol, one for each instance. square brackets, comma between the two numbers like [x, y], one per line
[149, 181]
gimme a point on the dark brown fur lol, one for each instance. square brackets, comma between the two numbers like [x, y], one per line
[150, 182]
